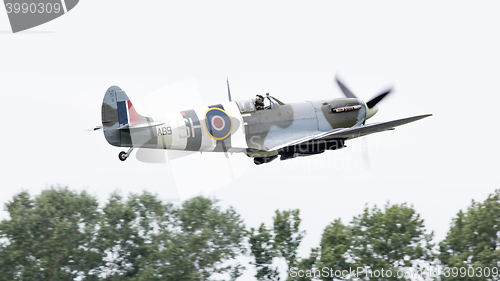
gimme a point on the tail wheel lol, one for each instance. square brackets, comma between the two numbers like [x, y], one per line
[122, 156]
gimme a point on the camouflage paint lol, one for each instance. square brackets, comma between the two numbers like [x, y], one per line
[253, 132]
[343, 119]
[186, 130]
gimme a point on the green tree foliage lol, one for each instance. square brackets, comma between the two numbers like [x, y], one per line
[50, 237]
[472, 242]
[263, 252]
[391, 239]
[304, 265]
[63, 235]
[336, 241]
[129, 232]
[282, 241]
[287, 236]
[200, 238]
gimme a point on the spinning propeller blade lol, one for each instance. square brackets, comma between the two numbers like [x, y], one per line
[378, 98]
[344, 89]
[370, 111]
[371, 105]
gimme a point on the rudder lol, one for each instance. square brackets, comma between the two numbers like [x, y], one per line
[118, 111]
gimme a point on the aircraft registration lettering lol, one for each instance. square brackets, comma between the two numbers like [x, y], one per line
[164, 131]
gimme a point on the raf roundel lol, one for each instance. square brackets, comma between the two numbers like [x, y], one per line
[218, 123]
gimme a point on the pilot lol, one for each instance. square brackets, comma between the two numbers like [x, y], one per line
[259, 102]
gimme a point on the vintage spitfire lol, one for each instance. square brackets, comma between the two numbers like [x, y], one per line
[278, 129]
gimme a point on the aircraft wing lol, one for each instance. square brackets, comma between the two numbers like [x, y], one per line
[353, 132]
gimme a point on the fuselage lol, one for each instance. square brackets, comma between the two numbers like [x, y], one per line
[238, 127]
[248, 126]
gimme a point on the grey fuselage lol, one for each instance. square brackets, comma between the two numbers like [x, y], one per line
[234, 126]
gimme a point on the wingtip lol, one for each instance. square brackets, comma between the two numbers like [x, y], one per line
[335, 75]
[419, 117]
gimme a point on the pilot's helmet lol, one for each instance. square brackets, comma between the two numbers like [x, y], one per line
[259, 98]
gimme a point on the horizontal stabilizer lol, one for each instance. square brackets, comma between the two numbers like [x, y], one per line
[96, 128]
[140, 125]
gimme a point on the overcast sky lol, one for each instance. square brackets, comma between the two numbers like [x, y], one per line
[443, 58]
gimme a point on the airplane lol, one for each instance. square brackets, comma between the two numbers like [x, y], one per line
[261, 131]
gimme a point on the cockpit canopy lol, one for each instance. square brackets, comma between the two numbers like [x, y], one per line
[246, 105]
[249, 104]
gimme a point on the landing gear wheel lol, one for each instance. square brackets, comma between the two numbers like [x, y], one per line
[122, 156]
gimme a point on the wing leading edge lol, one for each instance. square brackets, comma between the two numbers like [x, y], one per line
[354, 132]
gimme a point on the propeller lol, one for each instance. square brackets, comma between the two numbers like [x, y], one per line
[371, 109]
[378, 98]
[371, 105]
[344, 89]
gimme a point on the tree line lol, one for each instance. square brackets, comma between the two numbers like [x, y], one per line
[62, 234]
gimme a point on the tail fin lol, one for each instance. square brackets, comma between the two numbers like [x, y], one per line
[117, 112]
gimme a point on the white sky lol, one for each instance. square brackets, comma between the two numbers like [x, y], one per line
[442, 56]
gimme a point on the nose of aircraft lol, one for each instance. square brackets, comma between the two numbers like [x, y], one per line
[371, 111]
[371, 105]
